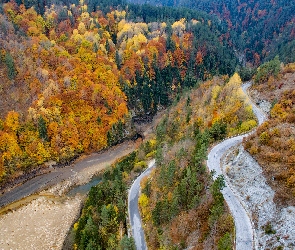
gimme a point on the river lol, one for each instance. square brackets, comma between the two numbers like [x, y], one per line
[39, 213]
[42, 210]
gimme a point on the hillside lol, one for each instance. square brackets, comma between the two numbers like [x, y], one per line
[78, 77]
[73, 81]
[259, 29]
[180, 204]
[273, 143]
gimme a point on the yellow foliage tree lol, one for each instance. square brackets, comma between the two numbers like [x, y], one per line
[12, 121]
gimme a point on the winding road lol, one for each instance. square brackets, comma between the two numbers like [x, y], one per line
[245, 237]
[244, 231]
[133, 211]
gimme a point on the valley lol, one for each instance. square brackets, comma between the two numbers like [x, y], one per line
[126, 125]
[42, 213]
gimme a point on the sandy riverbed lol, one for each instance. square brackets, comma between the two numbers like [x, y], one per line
[41, 224]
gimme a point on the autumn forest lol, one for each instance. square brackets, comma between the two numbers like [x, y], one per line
[72, 80]
[76, 77]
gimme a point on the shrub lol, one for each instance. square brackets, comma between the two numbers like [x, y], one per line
[271, 68]
[151, 154]
[225, 242]
[247, 125]
[139, 166]
[264, 138]
[289, 68]
[268, 228]
[253, 150]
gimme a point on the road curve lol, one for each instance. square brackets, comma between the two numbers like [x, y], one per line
[133, 211]
[261, 116]
[244, 230]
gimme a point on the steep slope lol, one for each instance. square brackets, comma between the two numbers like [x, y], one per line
[274, 225]
[74, 81]
[181, 206]
[273, 143]
[258, 29]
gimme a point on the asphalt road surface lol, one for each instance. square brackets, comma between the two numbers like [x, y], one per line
[134, 216]
[244, 230]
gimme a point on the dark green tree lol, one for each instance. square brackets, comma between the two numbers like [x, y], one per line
[271, 68]
[10, 66]
[42, 129]
[118, 60]
[127, 243]
[108, 48]
[218, 131]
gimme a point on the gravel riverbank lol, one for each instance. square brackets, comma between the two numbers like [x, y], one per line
[44, 221]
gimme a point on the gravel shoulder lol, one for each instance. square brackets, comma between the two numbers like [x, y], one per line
[244, 229]
[245, 234]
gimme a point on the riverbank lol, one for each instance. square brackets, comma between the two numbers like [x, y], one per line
[72, 174]
[50, 212]
[43, 223]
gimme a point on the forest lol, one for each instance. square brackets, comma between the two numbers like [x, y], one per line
[180, 204]
[180, 192]
[259, 29]
[76, 75]
[72, 81]
[61, 34]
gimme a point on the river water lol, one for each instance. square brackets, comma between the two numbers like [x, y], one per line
[80, 189]
[85, 188]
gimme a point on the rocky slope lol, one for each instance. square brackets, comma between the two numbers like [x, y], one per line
[274, 226]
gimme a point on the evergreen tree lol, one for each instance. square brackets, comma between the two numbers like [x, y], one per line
[127, 243]
[95, 47]
[10, 66]
[108, 48]
[118, 60]
[42, 128]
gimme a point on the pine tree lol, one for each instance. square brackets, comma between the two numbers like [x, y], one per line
[42, 129]
[10, 66]
[118, 60]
